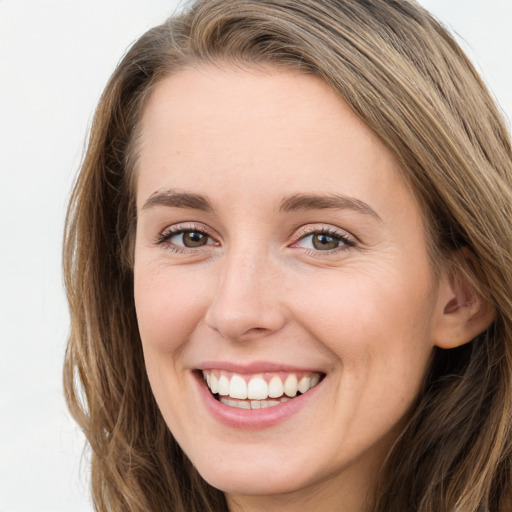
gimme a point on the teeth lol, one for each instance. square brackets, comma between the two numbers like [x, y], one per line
[257, 389]
[290, 385]
[238, 387]
[269, 403]
[304, 384]
[252, 404]
[275, 387]
[227, 401]
[223, 388]
[213, 384]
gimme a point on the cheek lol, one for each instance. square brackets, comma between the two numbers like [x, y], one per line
[168, 308]
[378, 326]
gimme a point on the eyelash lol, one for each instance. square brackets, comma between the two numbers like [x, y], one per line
[345, 240]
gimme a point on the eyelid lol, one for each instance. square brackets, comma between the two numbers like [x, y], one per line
[313, 228]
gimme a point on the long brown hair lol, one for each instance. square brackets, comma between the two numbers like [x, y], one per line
[403, 74]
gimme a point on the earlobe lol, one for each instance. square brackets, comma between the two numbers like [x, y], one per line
[463, 313]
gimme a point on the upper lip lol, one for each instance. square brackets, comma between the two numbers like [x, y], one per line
[254, 367]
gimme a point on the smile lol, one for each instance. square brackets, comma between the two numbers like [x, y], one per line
[258, 391]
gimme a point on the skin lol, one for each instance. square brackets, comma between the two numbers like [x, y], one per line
[367, 315]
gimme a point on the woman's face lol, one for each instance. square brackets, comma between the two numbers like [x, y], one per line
[278, 252]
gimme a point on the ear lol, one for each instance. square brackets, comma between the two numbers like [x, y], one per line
[462, 311]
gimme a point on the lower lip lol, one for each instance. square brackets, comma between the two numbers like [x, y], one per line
[253, 419]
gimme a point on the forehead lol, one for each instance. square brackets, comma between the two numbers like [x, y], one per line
[251, 129]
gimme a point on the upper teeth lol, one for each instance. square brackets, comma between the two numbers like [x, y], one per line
[259, 387]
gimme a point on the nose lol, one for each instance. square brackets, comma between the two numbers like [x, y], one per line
[247, 300]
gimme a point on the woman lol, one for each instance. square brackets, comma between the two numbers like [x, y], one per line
[288, 260]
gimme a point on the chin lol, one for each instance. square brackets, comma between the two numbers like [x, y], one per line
[270, 479]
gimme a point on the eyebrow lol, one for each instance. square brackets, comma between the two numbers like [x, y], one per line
[173, 198]
[305, 202]
[297, 202]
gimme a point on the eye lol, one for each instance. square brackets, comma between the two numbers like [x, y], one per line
[190, 239]
[179, 238]
[325, 240]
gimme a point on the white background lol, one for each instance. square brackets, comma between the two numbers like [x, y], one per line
[55, 58]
